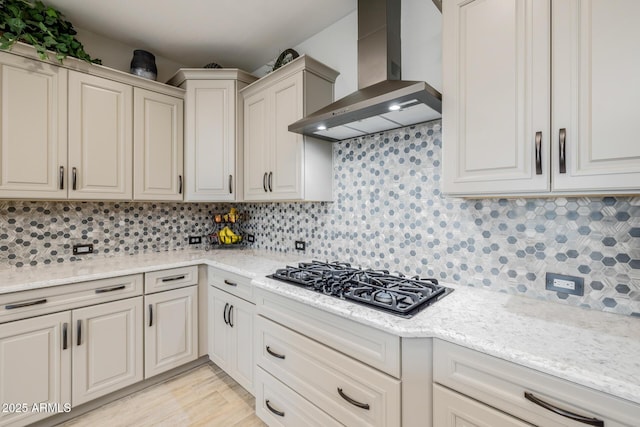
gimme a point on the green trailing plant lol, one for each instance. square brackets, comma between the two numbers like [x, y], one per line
[43, 27]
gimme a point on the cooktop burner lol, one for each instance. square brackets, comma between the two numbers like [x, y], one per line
[394, 293]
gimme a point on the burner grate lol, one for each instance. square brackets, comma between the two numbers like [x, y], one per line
[394, 293]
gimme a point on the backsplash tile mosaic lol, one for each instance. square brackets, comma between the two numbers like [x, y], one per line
[389, 213]
[35, 233]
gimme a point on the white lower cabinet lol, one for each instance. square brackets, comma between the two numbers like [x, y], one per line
[171, 329]
[451, 409]
[107, 349]
[35, 367]
[526, 394]
[352, 392]
[231, 335]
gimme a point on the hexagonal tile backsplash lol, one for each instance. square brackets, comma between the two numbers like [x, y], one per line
[389, 213]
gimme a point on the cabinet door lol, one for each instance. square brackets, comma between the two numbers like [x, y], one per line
[596, 88]
[171, 329]
[219, 339]
[241, 314]
[33, 129]
[496, 96]
[287, 153]
[451, 409]
[257, 150]
[211, 140]
[107, 352]
[35, 366]
[157, 146]
[231, 335]
[100, 138]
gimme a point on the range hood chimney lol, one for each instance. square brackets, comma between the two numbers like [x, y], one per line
[383, 101]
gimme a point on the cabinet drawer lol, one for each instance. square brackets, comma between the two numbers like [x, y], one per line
[173, 278]
[451, 409]
[502, 384]
[235, 284]
[371, 346]
[278, 405]
[20, 305]
[350, 391]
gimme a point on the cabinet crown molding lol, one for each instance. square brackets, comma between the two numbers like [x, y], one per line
[185, 74]
[303, 63]
[70, 63]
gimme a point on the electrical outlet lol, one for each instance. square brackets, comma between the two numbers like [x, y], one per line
[83, 249]
[251, 238]
[565, 284]
[300, 245]
[195, 240]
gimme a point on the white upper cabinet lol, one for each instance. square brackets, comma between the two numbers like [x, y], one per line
[213, 134]
[33, 129]
[596, 90]
[507, 129]
[100, 138]
[157, 146]
[496, 95]
[69, 132]
[282, 165]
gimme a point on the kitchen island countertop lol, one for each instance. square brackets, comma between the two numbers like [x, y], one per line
[592, 348]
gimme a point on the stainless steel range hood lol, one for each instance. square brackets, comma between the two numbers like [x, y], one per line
[383, 101]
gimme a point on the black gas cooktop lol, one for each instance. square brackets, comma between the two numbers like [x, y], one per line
[394, 293]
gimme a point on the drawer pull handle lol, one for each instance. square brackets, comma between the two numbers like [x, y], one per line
[61, 178]
[276, 355]
[352, 401]
[150, 315]
[173, 279]
[538, 153]
[179, 184]
[270, 179]
[115, 288]
[65, 335]
[264, 182]
[25, 304]
[231, 316]
[563, 150]
[230, 184]
[79, 330]
[272, 409]
[224, 316]
[549, 407]
[226, 282]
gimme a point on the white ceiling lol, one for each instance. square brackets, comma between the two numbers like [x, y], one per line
[234, 33]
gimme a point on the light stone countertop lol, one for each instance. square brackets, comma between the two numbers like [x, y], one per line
[592, 348]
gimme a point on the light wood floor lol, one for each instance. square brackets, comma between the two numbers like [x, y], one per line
[204, 396]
